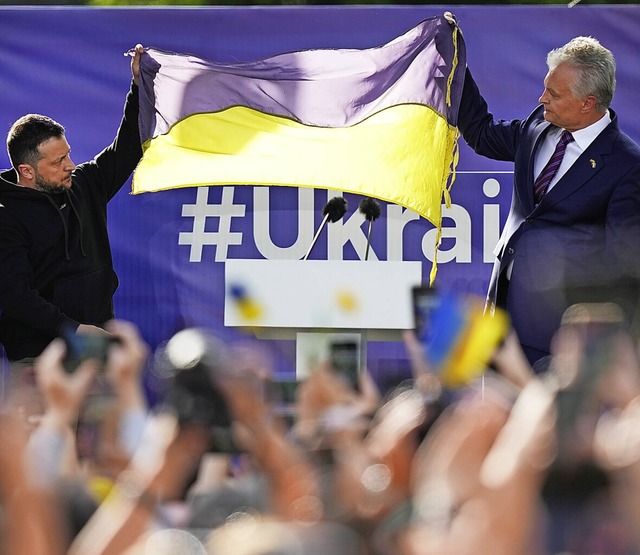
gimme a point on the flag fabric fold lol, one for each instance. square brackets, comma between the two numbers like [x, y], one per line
[379, 122]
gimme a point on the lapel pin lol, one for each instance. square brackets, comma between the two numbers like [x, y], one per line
[592, 162]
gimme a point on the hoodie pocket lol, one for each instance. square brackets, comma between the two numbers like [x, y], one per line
[87, 298]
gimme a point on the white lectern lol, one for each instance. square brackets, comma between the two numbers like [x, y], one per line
[311, 300]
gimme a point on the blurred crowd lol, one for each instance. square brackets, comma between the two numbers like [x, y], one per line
[225, 464]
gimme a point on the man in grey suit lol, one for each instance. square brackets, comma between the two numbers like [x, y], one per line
[573, 230]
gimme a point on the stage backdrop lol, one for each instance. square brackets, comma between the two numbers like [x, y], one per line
[170, 248]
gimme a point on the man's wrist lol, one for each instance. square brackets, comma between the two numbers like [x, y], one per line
[58, 420]
[130, 487]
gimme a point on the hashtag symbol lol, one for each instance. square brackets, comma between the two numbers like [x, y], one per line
[200, 211]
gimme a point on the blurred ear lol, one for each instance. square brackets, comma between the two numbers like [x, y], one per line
[25, 172]
[589, 103]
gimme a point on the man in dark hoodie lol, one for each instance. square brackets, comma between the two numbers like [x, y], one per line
[56, 269]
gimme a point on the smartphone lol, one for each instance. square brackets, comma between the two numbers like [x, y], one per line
[598, 325]
[83, 346]
[344, 357]
[440, 322]
[282, 396]
[91, 423]
[196, 359]
[424, 300]
[285, 391]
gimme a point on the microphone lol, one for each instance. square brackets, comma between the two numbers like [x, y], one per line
[332, 211]
[371, 210]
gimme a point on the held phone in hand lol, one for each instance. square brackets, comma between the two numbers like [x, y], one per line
[598, 325]
[285, 391]
[282, 395]
[424, 299]
[196, 360]
[83, 346]
[344, 357]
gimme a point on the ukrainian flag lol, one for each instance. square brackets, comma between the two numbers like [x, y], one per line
[379, 122]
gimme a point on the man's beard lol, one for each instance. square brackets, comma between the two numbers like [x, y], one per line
[49, 186]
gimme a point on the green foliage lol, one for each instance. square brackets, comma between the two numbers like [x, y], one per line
[578, 3]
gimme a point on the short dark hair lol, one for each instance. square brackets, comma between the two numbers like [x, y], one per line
[27, 134]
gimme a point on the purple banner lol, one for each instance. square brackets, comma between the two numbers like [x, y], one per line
[170, 247]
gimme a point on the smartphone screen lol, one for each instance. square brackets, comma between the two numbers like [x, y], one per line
[83, 346]
[439, 320]
[424, 300]
[282, 397]
[344, 357]
[92, 423]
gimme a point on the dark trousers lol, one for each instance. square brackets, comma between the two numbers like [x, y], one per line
[539, 360]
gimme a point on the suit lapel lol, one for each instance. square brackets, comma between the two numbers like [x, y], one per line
[588, 164]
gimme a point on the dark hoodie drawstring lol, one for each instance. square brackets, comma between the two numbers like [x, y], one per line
[64, 224]
[75, 211]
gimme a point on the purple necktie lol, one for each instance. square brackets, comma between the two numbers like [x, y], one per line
[542, 183]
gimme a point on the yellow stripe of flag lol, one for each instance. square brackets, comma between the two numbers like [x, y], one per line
[402, 154]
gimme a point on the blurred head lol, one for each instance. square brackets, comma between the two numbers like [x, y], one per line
[40, 154]
[579, 85]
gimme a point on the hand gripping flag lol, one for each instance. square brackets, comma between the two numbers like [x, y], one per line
[379, 122]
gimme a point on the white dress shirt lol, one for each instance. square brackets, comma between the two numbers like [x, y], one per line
[581, 140]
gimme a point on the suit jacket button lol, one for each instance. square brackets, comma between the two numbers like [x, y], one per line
[510, 250]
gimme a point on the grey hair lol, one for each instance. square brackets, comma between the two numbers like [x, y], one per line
[596, 68]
